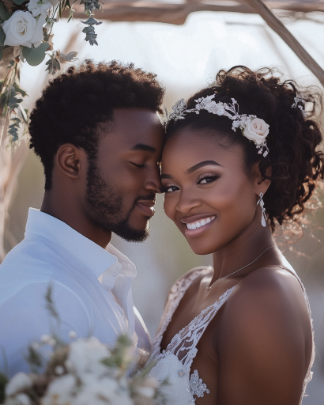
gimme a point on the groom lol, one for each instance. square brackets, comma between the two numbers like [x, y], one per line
[96, 131]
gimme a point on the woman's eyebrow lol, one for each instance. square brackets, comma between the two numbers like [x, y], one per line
[166, 176]
[201, 164]
[194, 168]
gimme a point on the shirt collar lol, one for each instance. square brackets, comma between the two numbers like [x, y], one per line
[94, 257]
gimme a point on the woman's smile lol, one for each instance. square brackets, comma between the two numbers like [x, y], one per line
[197, 224]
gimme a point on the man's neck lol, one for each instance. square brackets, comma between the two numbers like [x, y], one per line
[73, 215]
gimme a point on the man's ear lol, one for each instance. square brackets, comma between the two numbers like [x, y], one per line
[71, 160]
[261, 184]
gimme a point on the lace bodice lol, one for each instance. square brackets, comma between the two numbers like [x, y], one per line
[174, 363]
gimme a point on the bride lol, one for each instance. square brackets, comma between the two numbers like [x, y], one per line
[240, 159]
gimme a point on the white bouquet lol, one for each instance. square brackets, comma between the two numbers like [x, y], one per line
[86, 372]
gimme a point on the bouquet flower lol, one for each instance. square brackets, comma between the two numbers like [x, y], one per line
[85, 372]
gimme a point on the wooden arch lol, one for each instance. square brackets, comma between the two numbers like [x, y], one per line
[176, 13]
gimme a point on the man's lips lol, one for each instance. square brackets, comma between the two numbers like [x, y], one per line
[147, 206]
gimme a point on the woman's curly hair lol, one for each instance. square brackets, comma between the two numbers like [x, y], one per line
[294, 160]
[76, 102]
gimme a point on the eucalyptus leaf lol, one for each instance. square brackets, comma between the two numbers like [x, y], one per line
[14, 100]
[89, 30]
[4, 13]
[25, 51]
[19, 2]
[35, 56]
[2, 37]
[91, 21]
[19, 90]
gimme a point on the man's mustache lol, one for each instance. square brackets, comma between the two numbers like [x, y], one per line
[150, 197]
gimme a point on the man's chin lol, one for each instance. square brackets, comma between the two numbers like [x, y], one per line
[131, 234]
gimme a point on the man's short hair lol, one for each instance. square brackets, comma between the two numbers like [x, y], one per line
[76, 102]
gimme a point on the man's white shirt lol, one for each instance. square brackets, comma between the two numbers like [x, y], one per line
[91, 289]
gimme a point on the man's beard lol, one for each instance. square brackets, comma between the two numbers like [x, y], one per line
[105, 204]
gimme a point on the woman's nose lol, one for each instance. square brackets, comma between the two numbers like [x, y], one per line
[187, 202]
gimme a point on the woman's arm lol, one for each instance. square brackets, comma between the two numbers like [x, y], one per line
[264, 342]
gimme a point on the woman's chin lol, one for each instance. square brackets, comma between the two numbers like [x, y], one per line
[201, 249]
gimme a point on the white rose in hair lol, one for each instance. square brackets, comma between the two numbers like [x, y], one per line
[23, 29]
[37, 7]
[256, 130]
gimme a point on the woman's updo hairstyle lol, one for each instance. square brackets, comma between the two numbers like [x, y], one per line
[294, 161]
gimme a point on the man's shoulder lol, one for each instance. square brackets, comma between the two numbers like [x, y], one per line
[32, 264]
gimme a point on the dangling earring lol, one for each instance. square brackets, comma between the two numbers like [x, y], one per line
[263, 213]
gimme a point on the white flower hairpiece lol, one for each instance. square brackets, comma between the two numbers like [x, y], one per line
[299, 103]
[253, 128]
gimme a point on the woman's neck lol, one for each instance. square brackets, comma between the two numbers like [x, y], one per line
[243, 250]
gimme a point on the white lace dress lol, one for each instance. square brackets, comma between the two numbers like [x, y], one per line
[174, 363]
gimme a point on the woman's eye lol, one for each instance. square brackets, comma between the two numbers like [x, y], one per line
[209, 178]
[169, 189]
[137, 165]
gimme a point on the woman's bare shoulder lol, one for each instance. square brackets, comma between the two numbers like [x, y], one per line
[268, 306]
[268, 291]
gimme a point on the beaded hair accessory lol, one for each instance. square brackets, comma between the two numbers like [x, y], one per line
[253, 128]
[299, 103]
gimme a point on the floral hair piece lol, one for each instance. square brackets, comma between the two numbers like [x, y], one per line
[299, 103]
[253, 128]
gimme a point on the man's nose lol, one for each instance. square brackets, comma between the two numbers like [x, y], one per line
[153, 182]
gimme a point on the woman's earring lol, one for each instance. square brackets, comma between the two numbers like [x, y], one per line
[263, 213]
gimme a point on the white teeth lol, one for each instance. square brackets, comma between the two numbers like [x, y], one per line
[199, 224]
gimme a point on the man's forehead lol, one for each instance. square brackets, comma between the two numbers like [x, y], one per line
[127, 116]
[135, 129]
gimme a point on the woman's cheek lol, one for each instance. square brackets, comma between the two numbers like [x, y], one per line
[169, 207]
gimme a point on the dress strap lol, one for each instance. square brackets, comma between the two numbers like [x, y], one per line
[184, 344]
[176, 294]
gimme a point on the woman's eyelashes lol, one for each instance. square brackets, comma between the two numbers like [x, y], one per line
[207, 178]
[169, 188]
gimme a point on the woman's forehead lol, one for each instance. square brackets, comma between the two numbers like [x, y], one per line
[190, 146]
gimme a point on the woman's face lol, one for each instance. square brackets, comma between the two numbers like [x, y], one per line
[208, 194]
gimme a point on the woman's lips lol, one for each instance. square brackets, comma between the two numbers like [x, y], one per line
[147, 207]
[197, 224]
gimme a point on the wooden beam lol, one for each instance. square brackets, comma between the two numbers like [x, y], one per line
[273, 22]
[177, 13]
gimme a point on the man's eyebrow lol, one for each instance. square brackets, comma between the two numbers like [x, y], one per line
[201, 164]
[144, 148]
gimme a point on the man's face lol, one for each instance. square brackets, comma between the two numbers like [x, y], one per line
[123, 180]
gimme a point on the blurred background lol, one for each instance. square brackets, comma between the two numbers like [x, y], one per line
[186, 58]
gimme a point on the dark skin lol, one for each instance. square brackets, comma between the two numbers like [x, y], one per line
[129, 153]
[258, 347]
